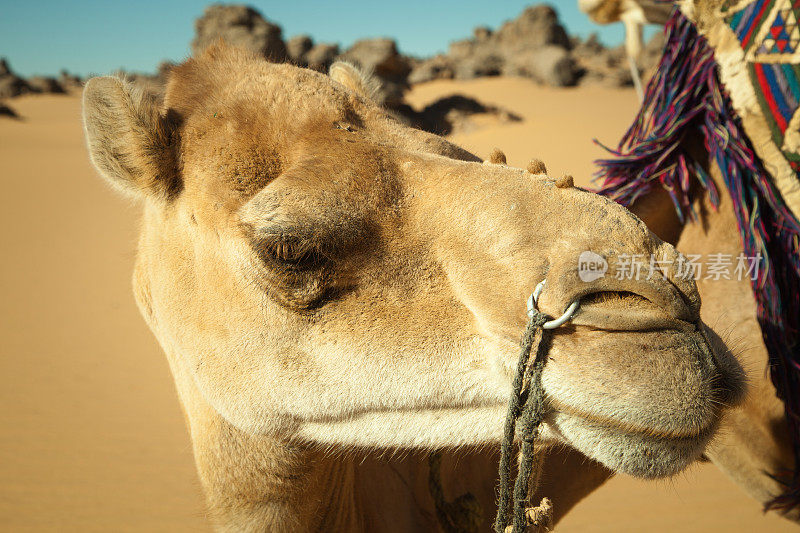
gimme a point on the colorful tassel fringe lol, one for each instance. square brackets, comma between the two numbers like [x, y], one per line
[685, 98]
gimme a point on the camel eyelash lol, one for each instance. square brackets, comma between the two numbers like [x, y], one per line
[291, 252]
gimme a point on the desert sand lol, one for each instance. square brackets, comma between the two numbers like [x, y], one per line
[92, 437]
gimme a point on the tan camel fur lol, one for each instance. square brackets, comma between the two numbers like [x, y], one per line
[337, 294]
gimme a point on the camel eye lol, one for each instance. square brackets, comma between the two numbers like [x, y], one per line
[292, 253]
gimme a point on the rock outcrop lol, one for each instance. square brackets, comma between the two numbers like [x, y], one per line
[321, 56]
[303, 52]
[241, 26]
[12, 85]
[535, 27]
[549, 65]
[45, 84]
[534, 45]
[297, 47]
[610, 67]
[69, 81]
[437, 67]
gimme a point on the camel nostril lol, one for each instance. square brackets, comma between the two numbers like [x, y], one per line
[614, 299]
[627, 308]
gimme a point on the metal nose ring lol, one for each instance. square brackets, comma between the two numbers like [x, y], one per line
[552, 324]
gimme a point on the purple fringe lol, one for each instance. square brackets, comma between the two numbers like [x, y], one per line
[685, 97]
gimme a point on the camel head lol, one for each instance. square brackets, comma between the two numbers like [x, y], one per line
[317, 271]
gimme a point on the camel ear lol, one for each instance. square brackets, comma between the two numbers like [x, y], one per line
[361, 83]
[130, 142]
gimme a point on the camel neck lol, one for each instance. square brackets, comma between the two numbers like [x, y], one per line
[715, 230]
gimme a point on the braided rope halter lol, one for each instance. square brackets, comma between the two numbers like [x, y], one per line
[526, 407]
[526, 410]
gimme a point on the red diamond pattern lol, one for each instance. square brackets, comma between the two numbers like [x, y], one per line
[783, 36]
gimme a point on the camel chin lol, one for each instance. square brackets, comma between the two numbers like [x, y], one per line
[631, 452]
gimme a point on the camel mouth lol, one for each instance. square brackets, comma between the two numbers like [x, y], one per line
[630, 427]
[648, 407]
[611, 311]
[648, 454]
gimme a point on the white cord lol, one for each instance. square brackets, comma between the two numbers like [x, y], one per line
[552, 324]
[637, 79]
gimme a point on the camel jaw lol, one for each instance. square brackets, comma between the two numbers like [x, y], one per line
[649, 456]
[649, 428]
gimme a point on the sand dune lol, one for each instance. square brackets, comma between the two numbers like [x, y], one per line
[92, 435]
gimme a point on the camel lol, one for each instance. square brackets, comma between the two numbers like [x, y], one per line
[754, 447]
[338, 294]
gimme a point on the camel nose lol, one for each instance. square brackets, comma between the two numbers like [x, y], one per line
[614, 292]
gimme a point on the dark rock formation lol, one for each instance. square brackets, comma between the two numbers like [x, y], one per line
[10, 84]
[535, 27]
[297, 47]
[45, 84]
[437, 67]
[535, 45]
[610, 67]
[241, 26]
[69, 81]
[321, 56]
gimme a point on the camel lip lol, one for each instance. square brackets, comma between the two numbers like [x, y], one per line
[633, 428]
[595, 317]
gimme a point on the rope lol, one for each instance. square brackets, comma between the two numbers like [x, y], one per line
[463, 515]
[526, 408]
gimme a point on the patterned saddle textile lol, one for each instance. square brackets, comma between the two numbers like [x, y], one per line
[757, 47]
[730, 74]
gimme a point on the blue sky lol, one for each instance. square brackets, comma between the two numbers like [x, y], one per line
[92, 36]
